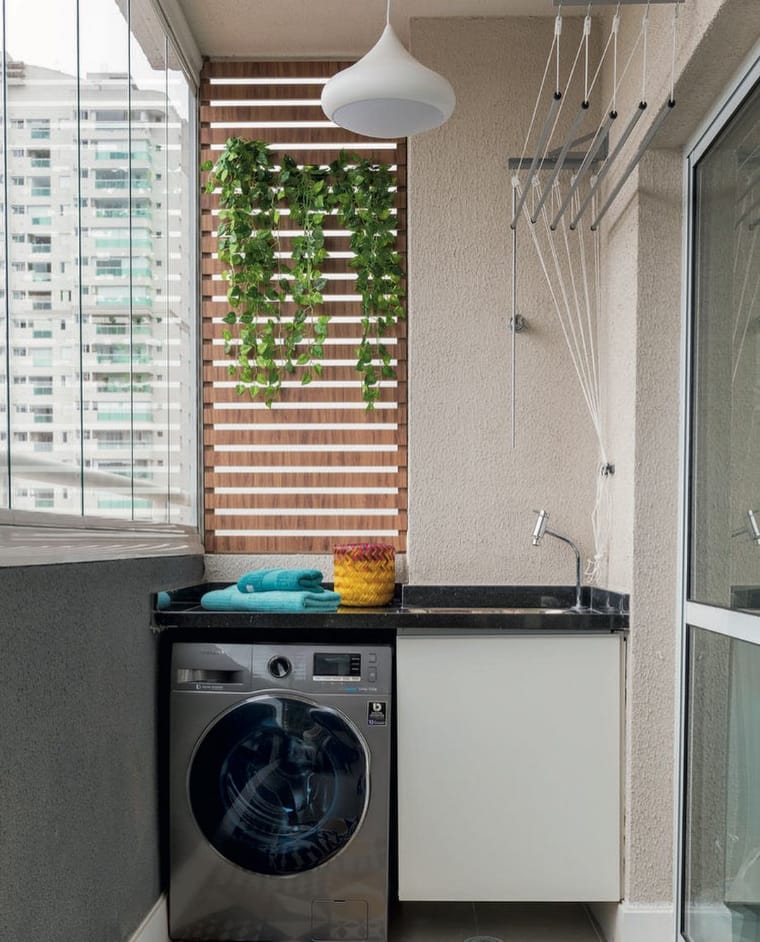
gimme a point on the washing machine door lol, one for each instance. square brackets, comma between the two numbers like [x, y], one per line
[279, 784]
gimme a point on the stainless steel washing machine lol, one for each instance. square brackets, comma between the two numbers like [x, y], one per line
[279, 792]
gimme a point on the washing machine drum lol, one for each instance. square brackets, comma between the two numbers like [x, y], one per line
[279, 784]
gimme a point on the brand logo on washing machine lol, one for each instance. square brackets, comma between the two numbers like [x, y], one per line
[377, 712]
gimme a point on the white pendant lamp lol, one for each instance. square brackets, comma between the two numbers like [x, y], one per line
[388, 93]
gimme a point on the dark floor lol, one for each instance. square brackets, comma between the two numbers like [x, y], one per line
[503, 922]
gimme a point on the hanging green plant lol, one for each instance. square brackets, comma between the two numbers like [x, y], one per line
[262, 285]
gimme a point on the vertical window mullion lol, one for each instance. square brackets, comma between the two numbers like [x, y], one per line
[6, 275]
[80, 267]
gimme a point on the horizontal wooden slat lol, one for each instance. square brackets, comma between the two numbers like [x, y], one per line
[261, 92]
[300, 459]
[321, 135]
[314, 502]
[330, 266]
[339, 328]
[290, 544]
[327, 416]
[233, 68]
[293, 395]
[314, 436]
[305, 522]
[308, 479]
[313, 155]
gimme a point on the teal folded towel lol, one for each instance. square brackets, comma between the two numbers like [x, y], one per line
[281, 580]
[232, 599]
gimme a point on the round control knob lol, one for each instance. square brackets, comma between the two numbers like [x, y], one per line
[280, 667]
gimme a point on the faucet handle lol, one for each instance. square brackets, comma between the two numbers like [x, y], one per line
[540, 527]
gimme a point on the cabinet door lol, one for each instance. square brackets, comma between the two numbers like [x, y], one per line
[509, 767]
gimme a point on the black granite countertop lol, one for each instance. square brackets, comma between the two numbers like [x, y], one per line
[421, 610]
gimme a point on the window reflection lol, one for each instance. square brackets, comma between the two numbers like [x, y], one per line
[91, 370]
[725, 544]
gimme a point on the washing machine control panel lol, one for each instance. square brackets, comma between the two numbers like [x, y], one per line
[337, 665]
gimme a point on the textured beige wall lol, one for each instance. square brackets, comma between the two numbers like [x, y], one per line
[643, 235]
[471, 495]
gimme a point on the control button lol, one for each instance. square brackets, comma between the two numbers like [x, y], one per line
[372, 658]
[280, 667]
[372, 675]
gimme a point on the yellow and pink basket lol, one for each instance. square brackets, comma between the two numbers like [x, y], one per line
[364, 573]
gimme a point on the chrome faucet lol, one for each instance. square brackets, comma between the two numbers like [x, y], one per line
[751, 528]
[538, 533]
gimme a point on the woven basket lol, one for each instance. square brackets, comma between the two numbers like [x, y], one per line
[364, 573]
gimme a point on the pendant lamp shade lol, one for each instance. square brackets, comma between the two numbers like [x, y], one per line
[388, 93]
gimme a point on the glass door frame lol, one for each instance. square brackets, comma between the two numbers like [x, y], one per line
[728, 622]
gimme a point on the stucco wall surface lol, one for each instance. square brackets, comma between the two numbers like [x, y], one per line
[471, 495]
[642, 339]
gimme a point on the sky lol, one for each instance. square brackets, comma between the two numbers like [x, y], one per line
[43, 32]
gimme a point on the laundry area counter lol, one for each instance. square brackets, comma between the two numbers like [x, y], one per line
[506, 706]
[414, 609]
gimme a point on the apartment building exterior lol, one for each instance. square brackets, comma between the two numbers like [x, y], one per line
[100, 411]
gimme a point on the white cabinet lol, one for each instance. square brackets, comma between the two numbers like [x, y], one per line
[509, 767]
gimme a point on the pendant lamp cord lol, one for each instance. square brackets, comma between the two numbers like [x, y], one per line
[388, 13]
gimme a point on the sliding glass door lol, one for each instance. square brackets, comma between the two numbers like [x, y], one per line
[720, 846]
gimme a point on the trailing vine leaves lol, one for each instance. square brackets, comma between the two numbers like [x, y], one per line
[262, 286]
[366, 199]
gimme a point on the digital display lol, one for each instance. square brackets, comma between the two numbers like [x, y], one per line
[337, 665]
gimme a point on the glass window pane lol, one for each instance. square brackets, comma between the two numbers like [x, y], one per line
[99, 347]
[104, 179]
[725, 512]
[43, 312]
[147, 135]
[722, 847]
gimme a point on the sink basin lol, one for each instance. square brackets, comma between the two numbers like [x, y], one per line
[478, 610]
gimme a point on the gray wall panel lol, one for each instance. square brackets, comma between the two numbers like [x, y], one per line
[79, 831]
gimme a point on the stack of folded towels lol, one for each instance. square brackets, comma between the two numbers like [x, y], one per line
[274, 590]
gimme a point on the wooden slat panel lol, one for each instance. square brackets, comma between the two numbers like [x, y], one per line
[328, 472]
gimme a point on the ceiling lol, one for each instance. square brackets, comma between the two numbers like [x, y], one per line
[259, 29]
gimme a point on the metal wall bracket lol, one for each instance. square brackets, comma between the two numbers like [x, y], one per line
[573, 159]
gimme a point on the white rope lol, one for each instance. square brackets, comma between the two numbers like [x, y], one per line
[586, 36]
[645, 31]
[538, 99]
[576, 310]
[558, 33]
[559, 110]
